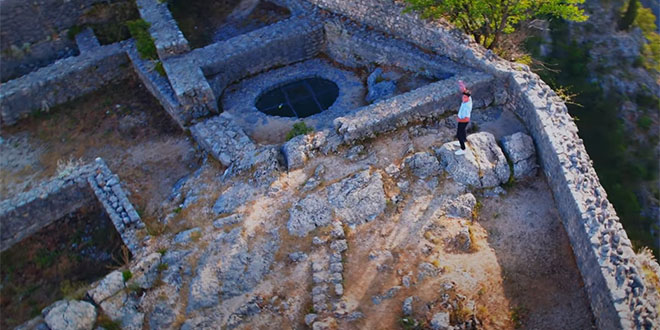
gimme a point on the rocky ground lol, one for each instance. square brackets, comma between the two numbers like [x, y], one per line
[391, 233]
[377, 235]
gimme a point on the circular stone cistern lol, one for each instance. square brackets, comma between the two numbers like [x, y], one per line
[299, 99]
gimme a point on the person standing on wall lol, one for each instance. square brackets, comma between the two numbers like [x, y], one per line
[463, 117]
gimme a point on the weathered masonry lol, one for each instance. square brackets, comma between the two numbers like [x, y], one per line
[27, 213]
[352, 33]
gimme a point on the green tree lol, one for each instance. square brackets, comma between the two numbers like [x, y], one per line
[489, 20]
[645, 20]
[629, 16]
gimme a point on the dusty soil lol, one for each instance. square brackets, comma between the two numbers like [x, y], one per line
[122, 123]
[520, 272]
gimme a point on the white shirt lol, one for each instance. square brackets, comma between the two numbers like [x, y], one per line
[466, 109]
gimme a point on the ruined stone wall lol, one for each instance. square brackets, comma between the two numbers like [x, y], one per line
[354, 46]
[33, 33]
[63, 81]
[21, 59]
[282, 43]
[428, 102]
[602, 249]
[158, 85]
[168, 39]
[26, 213]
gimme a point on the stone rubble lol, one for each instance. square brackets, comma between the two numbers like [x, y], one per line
[519, 148]
[422, 164]
[460, 207]
[440, 321]
[70, 315]
[408, 306]
[380, 85]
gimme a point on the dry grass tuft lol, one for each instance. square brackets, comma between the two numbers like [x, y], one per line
[67, 167]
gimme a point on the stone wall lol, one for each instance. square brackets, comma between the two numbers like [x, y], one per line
[159, 86]
[34, 34]
[190, 86]
[63, 81]
[602, 249]
[282, 43]
[430, 101]
[355, 46]
[169, 40]
[19, 60]
[108, 191]
[27, 213]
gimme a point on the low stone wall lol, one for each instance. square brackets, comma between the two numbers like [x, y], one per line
[34, 33]
[158, 86]
[601, 247]
[19, 60]
[430, 101]
[87, 41]
[27, 213]
[354, 46]
[191, 88]
[169, 40]
[63, 81]
[223, 138]
[33, 21]
[282, 43]
[108, 191]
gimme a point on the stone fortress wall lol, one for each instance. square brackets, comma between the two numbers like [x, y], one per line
[602, 249]
[196, 79]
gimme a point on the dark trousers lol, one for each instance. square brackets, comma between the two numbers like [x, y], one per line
[461, 134]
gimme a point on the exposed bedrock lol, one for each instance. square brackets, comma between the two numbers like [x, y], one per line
[482, 166]
[357, 199]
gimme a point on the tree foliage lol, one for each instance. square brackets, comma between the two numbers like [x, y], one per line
[629, 16]
[645, 20]
[489, 20]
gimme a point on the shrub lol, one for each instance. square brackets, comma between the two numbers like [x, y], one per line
[409, 323]
[139, 29]
[74, 31]
[646, 21]
[647, 100]
[126, 275]
[488, 22]
[517, 315]
[73, 290]
[45, 258]
[105, 322]
[299, 128]
[645, 122]
[159, 68]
